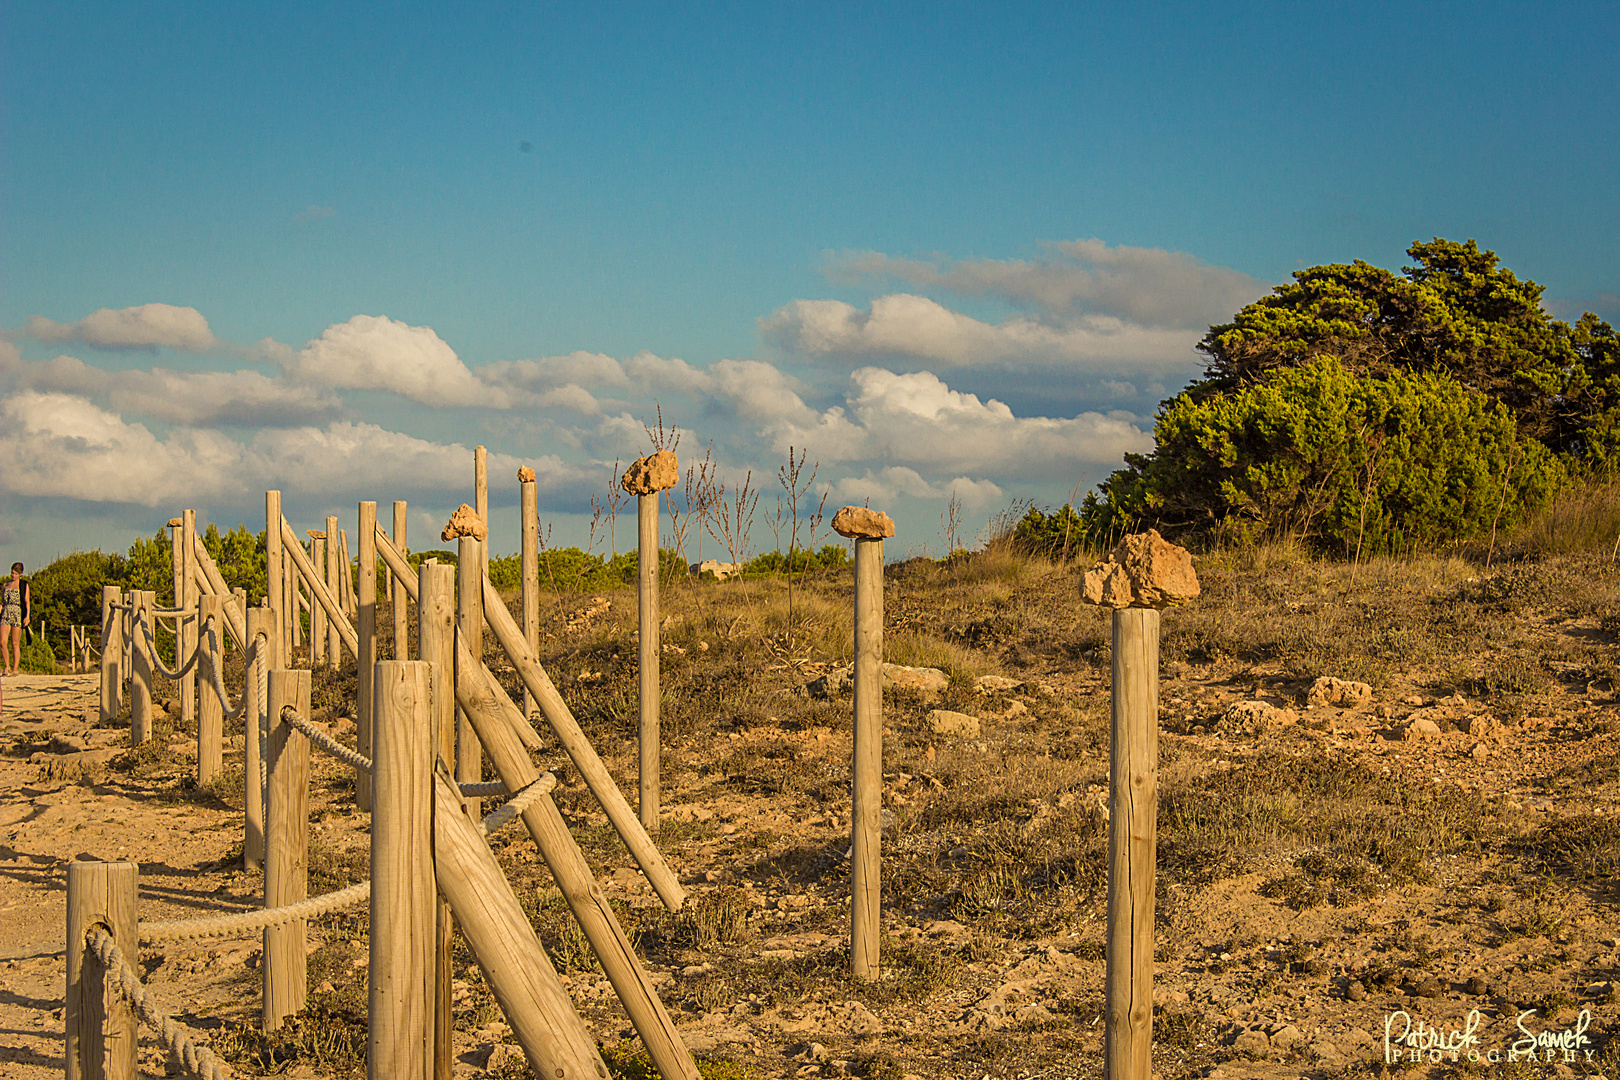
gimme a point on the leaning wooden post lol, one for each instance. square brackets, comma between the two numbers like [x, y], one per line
[187, 632]
[401, 612]
[286, 846]
[481, 500]
[334, 585]
[317, 612]
[275, 587]
[99, 1021]
[645, 478]
[260, 620]
[555, 1040]
[469, 531]
[436, 644]
[400, 987]
[366, 620]
[111, 651]
[1144, 573]
[140, 689]
[210, 711]
[867, 528]
[529, 567]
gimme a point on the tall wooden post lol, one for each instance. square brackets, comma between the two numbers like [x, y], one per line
[334, 643]
[470, 625]
[186, 630]
[178, 549]
[866, 822]
[400, 987]
[111, 651]
[210, 711]
[286, 847]
[317, 613]
[351, 602]
[99, 1022]
[481, 500]
[1133, 785]
[366, 626]
[293, 614]
[436, 644]
[529, 565]
[275, 588]
[260, 620]
[647, 623]
[402, 650]
[140, 689]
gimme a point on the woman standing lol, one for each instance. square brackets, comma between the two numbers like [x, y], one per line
[16, 611]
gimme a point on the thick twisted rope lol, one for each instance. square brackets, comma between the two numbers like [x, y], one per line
[198, 1060]
[157, 662]
[483, 790]
[249, 658]
[525, 797]
[175, 613]
[321, 740]
[243, 923]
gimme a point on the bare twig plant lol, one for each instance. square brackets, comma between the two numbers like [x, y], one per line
[796, 485]
[660, 437]
[731, 522]
[950, 524]
[616, 497]
[694, 501]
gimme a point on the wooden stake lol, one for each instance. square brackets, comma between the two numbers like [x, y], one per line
[351, 602]
[140, 692]
[334, 581]
[583, 896]
[647, 621]
[1133, 787]
[286, 847]
[99, 1022]
[530, 569]
[581, 752]
[208, 581]
[481, 501]
[401, 613]
[186, 631]
[366, 616]
[111, 651]
[321, 598]
[318, 614]
[436, 644]
[470, 627]
[275, 587]
[866, 822]
[260, 620]
[526, 986]
[210, 712]
[402, 898]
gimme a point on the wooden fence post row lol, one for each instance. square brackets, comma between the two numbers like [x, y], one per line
[286, 846]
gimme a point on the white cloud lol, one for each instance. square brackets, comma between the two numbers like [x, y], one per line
[1148, 286]
[372, 352]
[895, 481]
[145, 326]
[193, 398]
[916, 328]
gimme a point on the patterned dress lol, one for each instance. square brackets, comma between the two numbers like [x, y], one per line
[11, 607]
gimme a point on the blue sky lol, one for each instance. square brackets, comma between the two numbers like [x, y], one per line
[946, 247]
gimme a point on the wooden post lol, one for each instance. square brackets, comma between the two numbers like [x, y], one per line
[275, 588]
[294, 617]
[1133, 787]
[366, 617]
[260, 620]
[186, 630]
[210, 711]
[470, 625]
[238, 616]
[402, 649]
[111, 651]
[529, 563]
[402, 896]
[476, 694]
[99, 1021]
[581, 753]
[866, 822]
[647, 605]
[436, 644]
[317, 613]
[526, 986]
[286, 847]
[334, 582]
[140, 690]
[321, 598]
[481, 500]
[177, 548]
[351, 603]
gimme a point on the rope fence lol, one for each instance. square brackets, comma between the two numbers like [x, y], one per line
[198, 1060]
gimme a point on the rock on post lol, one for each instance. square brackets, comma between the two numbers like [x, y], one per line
[465, 522]
[1144, 571]
[655, 472]
[860, 522]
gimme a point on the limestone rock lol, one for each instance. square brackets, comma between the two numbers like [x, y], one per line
[961, 725]
[655, 472]
[1287, 1037]
[175, 523]
[1349, 695]
[1144, 570]
[1260, 716]
[465, 522]
[928, 682]
[996, 684]
[862, 521]
[525, 475]
[1421, 728]
[1252, 1042]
